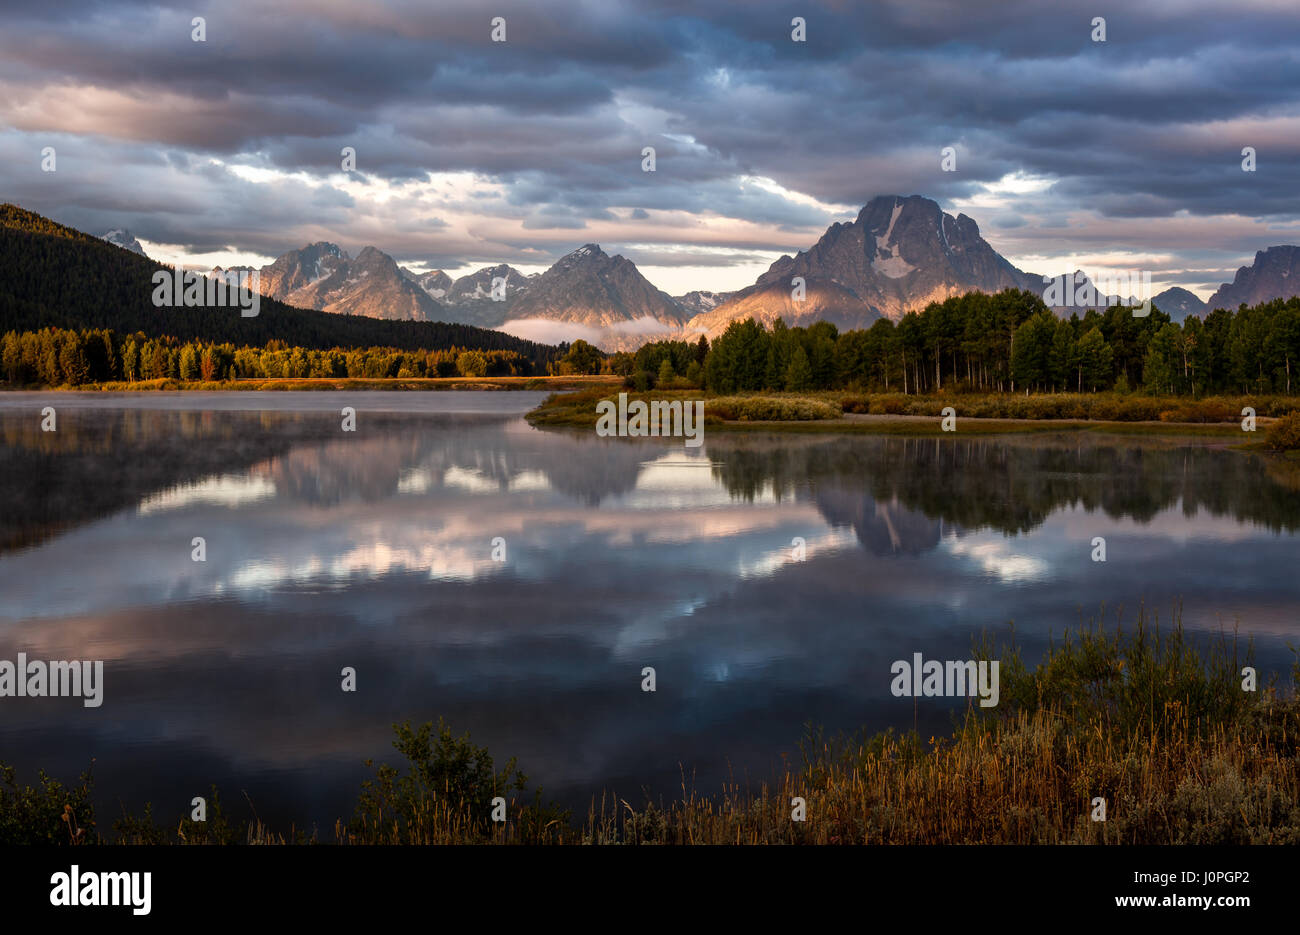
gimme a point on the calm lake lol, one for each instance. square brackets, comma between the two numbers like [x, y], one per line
[374, 550]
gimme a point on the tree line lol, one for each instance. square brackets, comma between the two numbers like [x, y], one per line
[65, 357]
[1006, 342]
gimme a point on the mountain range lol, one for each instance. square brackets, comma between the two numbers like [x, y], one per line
[52, 275]
[898, 255]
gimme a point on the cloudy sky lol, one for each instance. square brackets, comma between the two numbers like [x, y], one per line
[1069, 152]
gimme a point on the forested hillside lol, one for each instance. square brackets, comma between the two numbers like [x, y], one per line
[54, 276]
[1006, 342]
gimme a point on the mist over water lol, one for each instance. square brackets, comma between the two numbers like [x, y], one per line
[373, 550]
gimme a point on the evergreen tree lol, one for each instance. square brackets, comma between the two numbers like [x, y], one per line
[72, 359]
[799, 375]
[1094, 360]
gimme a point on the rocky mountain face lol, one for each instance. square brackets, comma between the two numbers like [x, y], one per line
[322, 276]
[900, 254]
[122, 238]
[306, 274]
[469, 299]
[435, 282]
[1275, 274]
[591, 288]
[699, 301]
[1178, 303]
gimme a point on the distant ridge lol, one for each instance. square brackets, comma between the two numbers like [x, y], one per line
[1179, 304]
[1275, 274]
[52, 275]
[322, 276]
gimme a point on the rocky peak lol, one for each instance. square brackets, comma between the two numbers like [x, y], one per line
[435, 282]
[593, 288]
[586, 254]
[1178, 303]
[900, 253]
[121, 237]
[1275, 274]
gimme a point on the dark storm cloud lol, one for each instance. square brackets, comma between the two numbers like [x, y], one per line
[1148, 124]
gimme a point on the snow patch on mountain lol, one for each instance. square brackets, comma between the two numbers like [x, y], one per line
[887, 260]
[121, 237]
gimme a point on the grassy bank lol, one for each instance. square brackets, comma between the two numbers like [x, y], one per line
[922, 415]
[1154, 723]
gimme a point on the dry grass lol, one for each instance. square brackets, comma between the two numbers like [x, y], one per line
[1025, 782]
[1153, 723]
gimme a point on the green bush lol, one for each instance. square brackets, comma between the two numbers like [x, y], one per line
[47, 813]
[1142, 680]
[445, 794]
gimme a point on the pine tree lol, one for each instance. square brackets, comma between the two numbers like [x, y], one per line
[799, 375]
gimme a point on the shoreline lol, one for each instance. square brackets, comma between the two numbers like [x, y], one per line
[573, 398]
[577, 410]
[327, 384]
[1066, 734]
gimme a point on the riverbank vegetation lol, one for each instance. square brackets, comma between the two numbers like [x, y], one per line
[1153, 722]
[894, 413]
[991, 346]
[55, 357]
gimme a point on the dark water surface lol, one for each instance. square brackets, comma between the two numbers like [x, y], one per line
[373, 550]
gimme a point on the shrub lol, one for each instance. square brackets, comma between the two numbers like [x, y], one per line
[1206, 410]
[47, 813]
[769, 409]
[892, 405]
[449, 784]
[1284, 435]
[1127, 409]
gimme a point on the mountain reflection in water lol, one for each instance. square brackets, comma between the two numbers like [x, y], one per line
[374, 550]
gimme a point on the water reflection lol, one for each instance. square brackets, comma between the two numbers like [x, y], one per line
[374, 550]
